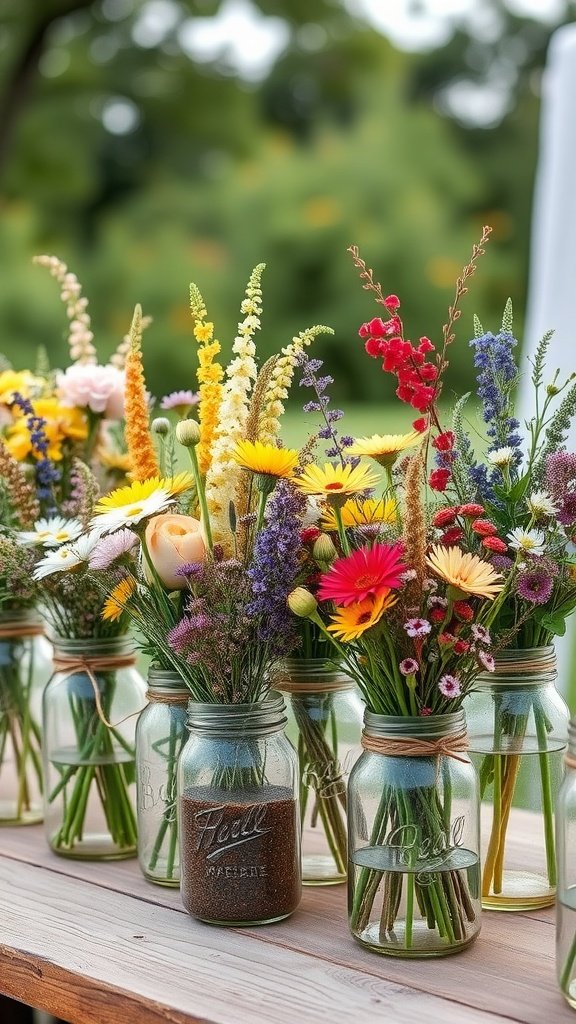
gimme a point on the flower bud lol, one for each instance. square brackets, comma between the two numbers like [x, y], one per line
[324, 550]
[160, 426]
[302, 603]
[188, 433]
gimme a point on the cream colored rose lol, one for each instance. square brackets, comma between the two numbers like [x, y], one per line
[172, 541]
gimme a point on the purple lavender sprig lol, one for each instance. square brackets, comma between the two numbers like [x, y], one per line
[309, 379]
[45, 471]
[275, 567]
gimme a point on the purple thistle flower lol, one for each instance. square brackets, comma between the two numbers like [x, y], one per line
[535, 583]
[502, 563]
[275, 568]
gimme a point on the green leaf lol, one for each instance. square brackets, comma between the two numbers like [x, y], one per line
[507, 317]
[551, 621]
[478, 329]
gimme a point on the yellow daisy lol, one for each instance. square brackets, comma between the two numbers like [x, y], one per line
[21, 381]
[265, 459]
[349, 623]
[115, 604]
[115, 462]
[385, 448]
[467, 573]
[335, 483]
[62, 424]
[362, 513]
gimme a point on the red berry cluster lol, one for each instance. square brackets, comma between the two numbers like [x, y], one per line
[447, 519]
[415, 375]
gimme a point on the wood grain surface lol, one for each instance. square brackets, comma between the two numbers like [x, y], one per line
[97, 944]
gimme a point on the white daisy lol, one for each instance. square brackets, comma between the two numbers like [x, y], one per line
[542, 504]
[532, 541]
[132, 513]
[500, 456]
[66, 557]
[51, 532]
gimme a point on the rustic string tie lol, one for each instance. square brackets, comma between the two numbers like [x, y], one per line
[167, 698]
[410, 746]
[312, 686]
[19, 630]
[570, 761]
[523, 668]
[70, 666]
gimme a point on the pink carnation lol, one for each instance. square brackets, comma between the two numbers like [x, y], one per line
[449, 686]
[98, 388]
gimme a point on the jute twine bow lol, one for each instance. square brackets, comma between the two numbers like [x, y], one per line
[167, 698]
[570, 761]
[69, 666]
[409, 746]
[312, 686]
[18, 630]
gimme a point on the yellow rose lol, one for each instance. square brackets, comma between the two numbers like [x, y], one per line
[172, 541]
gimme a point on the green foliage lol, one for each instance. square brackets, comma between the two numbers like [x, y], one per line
[507, 318]
[539, 361]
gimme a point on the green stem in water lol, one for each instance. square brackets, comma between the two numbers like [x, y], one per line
[547, 799]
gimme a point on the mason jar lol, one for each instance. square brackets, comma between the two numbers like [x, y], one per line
[238, 814]
[566, 846]
[325, 725]
[160, 735]
[518, 729]
[90, 708]
[413, 837]
[25, 668]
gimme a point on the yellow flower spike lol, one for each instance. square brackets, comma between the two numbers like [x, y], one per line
[366, 512]
[209, 376]
[115, 604]
[349, 623]
[281, 380]
[265, 459]
[138, 437]
[385, 448]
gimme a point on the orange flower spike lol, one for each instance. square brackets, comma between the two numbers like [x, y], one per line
[138, 437]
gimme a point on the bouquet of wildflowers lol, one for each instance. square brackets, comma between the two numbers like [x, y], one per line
[524, 488]
[409, 609]
[62, 441]
[202, 562]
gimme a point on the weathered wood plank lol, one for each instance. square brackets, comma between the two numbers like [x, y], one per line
[97, 956]
[509, 973]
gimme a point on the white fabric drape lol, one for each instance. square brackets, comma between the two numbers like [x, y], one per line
[552, 284]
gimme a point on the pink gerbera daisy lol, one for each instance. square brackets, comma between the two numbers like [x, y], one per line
[367, 572]
[180, 400]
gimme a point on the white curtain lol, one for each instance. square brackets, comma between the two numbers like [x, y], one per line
[552, 285]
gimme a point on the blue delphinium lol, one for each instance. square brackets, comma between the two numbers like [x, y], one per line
[275, 567]
[329, 432]
[497, 378]
[45, 471]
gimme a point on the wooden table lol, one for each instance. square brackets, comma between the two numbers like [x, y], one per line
[96, 944]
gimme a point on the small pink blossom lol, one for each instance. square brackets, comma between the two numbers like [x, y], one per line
[110, 548]
[409, 666]
[449, 686]
[481, 634]
[417, 627]
[486, 660]
[180, 400]
[88, 386]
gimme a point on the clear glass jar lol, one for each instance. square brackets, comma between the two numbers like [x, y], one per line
[238, 814]
[89, 719]
[566, 845]
[325, 725]
[160, 736]
[413, 839]
[25, 668]
[518, 729]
